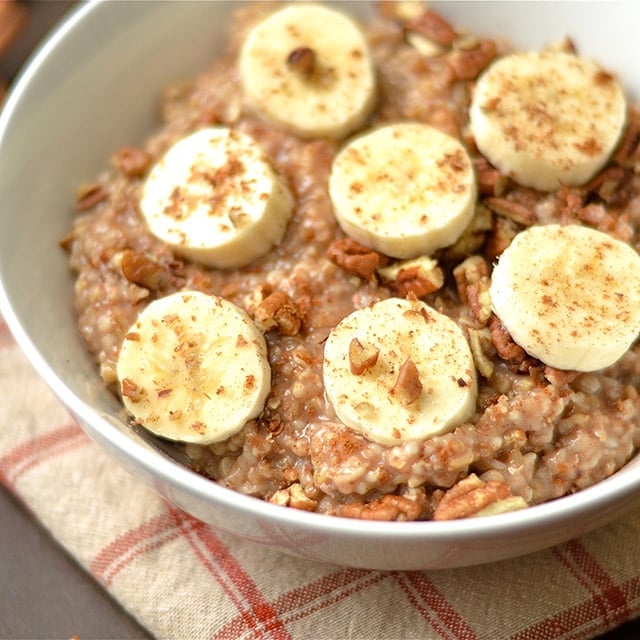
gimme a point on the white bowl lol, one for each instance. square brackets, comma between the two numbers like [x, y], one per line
[93, 87]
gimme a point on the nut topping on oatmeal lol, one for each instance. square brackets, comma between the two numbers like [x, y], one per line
[281, 54]
[212, 207]
[361, 357]
[419, 277]
[413, 389]
[405, 189]
[355, 258]
[302, 60]
[408, 387]
[278, 311]
[546, 119]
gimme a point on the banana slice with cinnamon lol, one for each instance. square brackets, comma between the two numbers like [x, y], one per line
[308, 69]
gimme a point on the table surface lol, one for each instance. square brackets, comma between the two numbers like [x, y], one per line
[43, 592]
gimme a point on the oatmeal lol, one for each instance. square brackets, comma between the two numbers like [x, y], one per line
[526, 431]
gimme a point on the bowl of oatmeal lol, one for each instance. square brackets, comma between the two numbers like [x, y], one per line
[377, 310]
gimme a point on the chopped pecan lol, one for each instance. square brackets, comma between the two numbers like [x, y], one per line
[131, 161]
[294, 496]
[559, 377]
[145, 271]
[511, 209]
[434, 27]
[470, 496]
[412, 280]
[472, 283]
[388, 507]
[490, 181]
[89, 195]
[503, 232]
[361, 357]
[408, 387]
[606, 183]
[302, 61]
[131, 390]
[466, 64]
[507, 349]
[418, 277]
[355, 258]
[278, 311]
[471, 271]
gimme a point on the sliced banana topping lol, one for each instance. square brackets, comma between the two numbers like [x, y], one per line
[215, 198]
[547, 119]
[569, 295]
[404, 189]
[193, 368]
[308, 68]
[398, 370]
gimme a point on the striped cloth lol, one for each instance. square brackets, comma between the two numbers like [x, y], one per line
[182, 579]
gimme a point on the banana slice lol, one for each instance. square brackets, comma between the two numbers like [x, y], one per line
[547, 119]
[215, 199]
[308, 68]
[569, 295]
[193, 368]
[398, 370]
[405, 189]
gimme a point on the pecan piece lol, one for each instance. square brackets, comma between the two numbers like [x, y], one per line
[143, 270]
[278, 311]
[490, 181]
[131, 161]
[408, 386]
[418, 277]
[361, 357]
[433, 26]
[466, 64]
[606, 183]
[505, 346]
[89, 195]
[470, 496]
[355, 258]
[295, 497]
[388, 507]
[302, 61]
[512, 210]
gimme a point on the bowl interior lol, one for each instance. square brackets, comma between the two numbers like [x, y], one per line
[94, 86]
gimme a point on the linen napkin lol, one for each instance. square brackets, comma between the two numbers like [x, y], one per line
[182, 579]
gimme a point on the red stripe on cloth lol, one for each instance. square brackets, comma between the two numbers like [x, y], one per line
[595, 579]
[303, 601]
[38, 450]
[150, 535]
[607, 607]
[434, 607]
[259, 616]
[576, 623]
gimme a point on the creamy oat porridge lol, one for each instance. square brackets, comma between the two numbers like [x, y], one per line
[430, 307]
